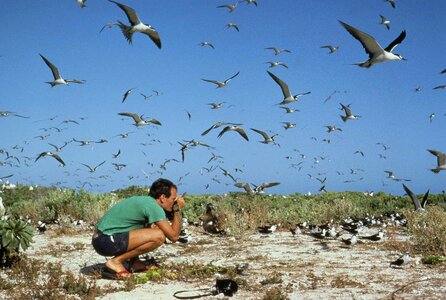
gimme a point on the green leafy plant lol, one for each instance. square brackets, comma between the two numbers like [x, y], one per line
[14, 235]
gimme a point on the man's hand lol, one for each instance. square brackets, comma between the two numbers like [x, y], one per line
[181, 203]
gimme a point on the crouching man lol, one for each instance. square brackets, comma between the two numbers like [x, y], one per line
[125, 231]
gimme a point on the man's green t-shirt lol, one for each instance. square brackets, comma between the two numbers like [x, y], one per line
[131, 213]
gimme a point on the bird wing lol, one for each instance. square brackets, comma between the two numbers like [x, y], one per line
[99, 165]
[53, 68]
[441, 157]
[154, 121]
[264, 134]
[135, 117]
[40, 155]
[75, 81]
[242, 133]
[57, 157]
[396, 42]
[347, 110]
[130, 12]
[213, 81]
[154, 36]
[90, 168]
[414, 198]
[227, 80]
[369, 44]
[285, 90]
[268, 184]
[424, 201]
[210, 128]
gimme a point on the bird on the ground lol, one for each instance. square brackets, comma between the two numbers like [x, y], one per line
[93, 169]
[287, 96]
[277, 51]
[139, 119]
[441, 160]
[351, 241]
[331, 48]
[273, 64]
[210, 220]
[417, 205]
[402, 260]
[219, 83]
[266, 137]
[376, 53]
[374, 237]
[348, 114]
[239, 130]
[48, 153]
[202, 44]
[136, 25]
[266, 229]
[56, 75]
[385, 22]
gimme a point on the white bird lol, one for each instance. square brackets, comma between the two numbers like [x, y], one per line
[384, 21]
[234, 128]
[229, 6]
[348, 114]
[81, 3]
[402, 260]
[216, 105]
[232, 25]
[331, 48]
[418, 206]
[273, 64]
[287, 96]
[48, 153]
[249, 2]
[277, 51]
[57, 78]
[219, 83]
[441, 160]
[266, 138]
[289, 110]
[202, 44]
[92, 170]
[139, 120]
[376, 53]
[136, 25]
[288, 125]
[126, 94]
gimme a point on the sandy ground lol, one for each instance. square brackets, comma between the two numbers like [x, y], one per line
[309, 268]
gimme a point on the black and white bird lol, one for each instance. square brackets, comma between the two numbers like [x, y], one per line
[351, 241]
[239, 130]
[266, 137]
[417, 205]
[93, 169]
[48, 153]
[136, 25]
[219, 83]
[376, 53]
[441, 160]
[375, 237]
[56, 75]
[348, 114]
[287, 96]
[267, 228]
[277, 51]
[385, 22]
[41, 226]
[402, 260]
[331, 48]
[139, 120]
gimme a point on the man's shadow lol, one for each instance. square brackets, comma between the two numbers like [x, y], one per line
[93, 270]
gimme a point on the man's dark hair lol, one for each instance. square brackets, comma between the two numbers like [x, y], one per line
[160, 187]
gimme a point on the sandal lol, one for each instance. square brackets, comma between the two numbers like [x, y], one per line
[108, 273]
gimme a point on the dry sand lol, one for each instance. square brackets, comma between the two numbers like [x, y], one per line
[309, 269]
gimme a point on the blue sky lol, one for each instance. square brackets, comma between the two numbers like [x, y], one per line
[384, 95]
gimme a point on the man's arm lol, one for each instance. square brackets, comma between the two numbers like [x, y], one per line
[172, 230]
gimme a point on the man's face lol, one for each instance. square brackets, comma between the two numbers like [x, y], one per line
[169, 201]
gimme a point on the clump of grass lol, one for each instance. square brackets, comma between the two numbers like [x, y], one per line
[275, 294]
[433, 260]
[343, 282]
[428, 230]
[273, 278]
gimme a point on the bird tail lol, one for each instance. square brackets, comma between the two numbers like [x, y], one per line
[344, 118]
[365, 64]
[126, 31]
[435, 170]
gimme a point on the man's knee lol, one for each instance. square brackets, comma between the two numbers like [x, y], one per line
[159, 237]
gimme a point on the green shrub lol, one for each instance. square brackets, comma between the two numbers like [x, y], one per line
[14, 235]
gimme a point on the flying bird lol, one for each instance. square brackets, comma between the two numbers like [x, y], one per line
[287, 96]
[266, 138]
[273, 64]
[56, 75]
[234, 128]
[331, 48]
[384, 21]
[218, 124]
[441, 160]
[202, 44]
[126, 94]
[348, 114]
[232, 25]
[277, 51]
[418, 206]
[219, 83]
[81, 3]
[48, 153]
[136, 25]
[376, 53]
[391, 2]
[92, 170]
[229, 6]
[139, 120]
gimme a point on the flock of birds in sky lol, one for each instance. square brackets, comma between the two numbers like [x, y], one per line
[376, 54]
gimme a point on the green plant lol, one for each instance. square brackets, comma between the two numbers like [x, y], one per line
[14, 235]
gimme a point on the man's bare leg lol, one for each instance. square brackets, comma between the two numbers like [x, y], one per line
[140, 241]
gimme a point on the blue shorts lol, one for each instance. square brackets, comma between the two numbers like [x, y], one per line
[111, 245]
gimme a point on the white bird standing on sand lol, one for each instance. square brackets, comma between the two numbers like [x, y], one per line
[287, 96]
[136, 25]
[376, 53]
[57, 78]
